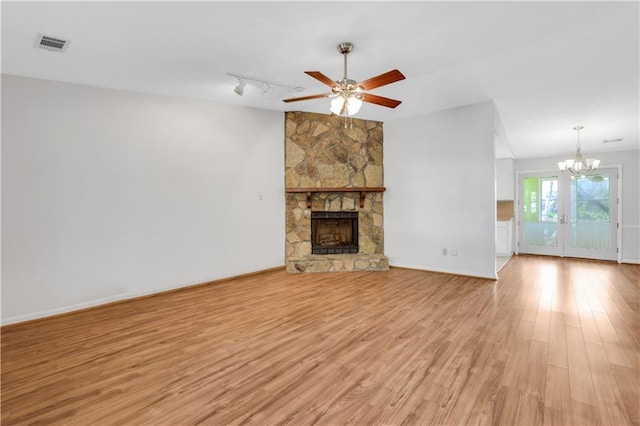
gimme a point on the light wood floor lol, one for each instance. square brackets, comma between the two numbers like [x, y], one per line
[551, 342]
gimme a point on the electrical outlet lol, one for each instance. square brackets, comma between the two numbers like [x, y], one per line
[444, 251]
[454, 252]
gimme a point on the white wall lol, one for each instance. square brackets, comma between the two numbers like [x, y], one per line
[108, 194]
[630, 161]
[440, 178]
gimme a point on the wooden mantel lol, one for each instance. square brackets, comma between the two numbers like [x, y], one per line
[362, 190]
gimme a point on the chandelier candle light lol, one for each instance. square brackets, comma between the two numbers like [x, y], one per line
[579, 166]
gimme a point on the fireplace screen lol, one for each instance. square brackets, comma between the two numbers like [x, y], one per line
[334, 232]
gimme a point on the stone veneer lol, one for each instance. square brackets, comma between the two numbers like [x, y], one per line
[321, 152]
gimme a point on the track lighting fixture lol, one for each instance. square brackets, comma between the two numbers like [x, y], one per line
[268, 85]
[240, 87]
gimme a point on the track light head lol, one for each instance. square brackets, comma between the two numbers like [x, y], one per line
[240, 87]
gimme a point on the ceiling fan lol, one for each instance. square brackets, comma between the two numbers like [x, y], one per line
[348, 94]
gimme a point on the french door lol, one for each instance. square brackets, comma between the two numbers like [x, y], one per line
[564, 215]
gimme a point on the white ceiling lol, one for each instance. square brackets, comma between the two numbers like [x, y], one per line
[548, 66]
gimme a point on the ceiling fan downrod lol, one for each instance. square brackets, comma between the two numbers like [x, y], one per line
[346, 87]
[344, 48]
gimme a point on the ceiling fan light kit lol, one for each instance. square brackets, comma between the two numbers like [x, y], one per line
[339, 103]
[579, 166]
[348, 95]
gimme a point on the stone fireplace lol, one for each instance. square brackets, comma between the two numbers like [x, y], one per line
[334, 188]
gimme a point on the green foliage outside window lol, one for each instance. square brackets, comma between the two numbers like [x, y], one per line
[592, 198]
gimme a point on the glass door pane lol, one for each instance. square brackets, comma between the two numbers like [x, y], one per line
[590, 219]
[539, 215]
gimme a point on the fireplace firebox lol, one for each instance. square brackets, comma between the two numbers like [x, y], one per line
[334, 232]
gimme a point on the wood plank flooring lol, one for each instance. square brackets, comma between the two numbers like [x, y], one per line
[553, 341]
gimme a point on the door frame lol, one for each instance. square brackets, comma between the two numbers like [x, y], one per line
[619, 200]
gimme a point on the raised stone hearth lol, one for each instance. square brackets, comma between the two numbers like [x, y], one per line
[339, 263]
[321, 154]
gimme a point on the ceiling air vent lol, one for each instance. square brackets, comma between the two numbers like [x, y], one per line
[613, 140]
[51, 44]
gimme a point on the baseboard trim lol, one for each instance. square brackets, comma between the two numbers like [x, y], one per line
[447, 271]
[115, 300]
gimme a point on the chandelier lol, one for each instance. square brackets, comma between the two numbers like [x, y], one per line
[579, 166]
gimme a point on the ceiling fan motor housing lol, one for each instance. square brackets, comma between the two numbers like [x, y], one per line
[345, 47]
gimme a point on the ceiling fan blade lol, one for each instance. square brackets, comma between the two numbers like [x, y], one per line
[380, 100]
[382, 80]
[321, 78]
[305, 98]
